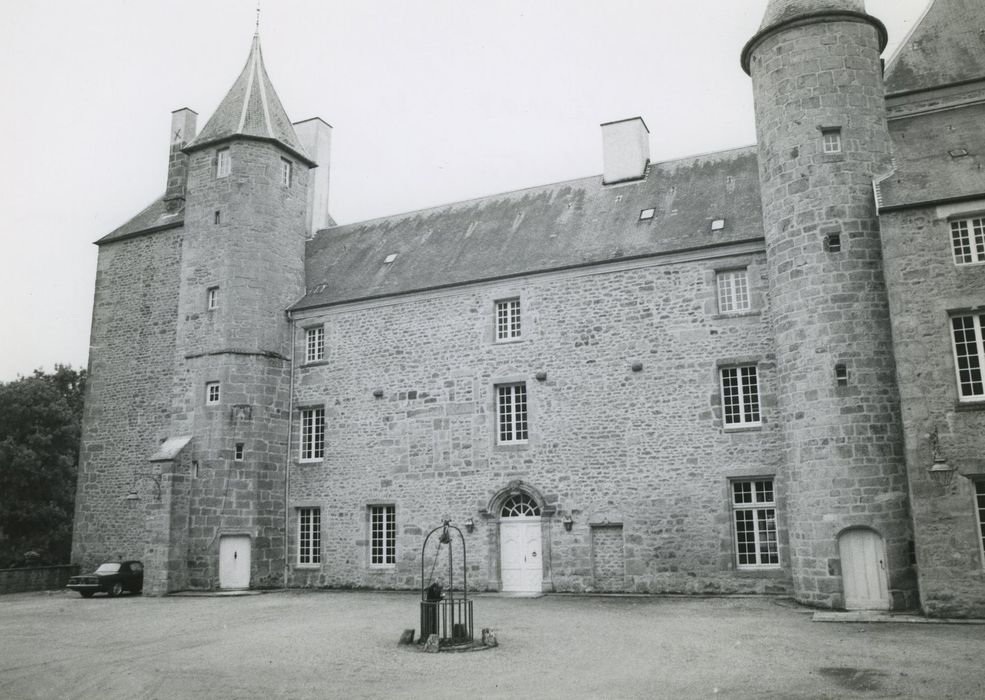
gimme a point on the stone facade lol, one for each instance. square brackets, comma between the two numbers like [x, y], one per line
[723, 378]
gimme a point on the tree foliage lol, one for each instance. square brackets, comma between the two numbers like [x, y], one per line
[40, 426]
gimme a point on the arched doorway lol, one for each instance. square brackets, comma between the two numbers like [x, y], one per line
[520, 544]
[863, 569]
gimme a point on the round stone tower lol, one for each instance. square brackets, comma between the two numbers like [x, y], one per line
[822, 133]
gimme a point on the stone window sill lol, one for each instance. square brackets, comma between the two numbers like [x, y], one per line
[961, 407]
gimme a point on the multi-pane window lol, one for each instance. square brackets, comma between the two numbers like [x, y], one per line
[223, 162]
[309, 536]
[754, 510]
[383, 536]
[831, 140]
[740, 396]
[312, 434]
[507, 319]
[212, 298]
[980, 509]
[238, 452]
[285, 172]
[511, 414]
[968, 239]
[733, 291]
[314, 344]
[212, 393]
[969, 355]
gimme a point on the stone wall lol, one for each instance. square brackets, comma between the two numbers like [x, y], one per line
[128, 393]
[40, 578]
[607, 444]
[926, 287]
[843, 443]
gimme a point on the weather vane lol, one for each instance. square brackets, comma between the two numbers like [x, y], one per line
[258, 15]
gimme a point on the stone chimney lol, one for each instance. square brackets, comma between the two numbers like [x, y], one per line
[625, 150]
[182, 132]
[316, 139]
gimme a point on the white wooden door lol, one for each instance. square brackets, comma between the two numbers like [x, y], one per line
[863, 570]
[520, 554]
[234, 561]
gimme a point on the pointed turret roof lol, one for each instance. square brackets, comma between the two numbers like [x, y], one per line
[947, 46]
[251, 109]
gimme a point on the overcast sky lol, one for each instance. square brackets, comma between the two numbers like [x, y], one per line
[432, 101]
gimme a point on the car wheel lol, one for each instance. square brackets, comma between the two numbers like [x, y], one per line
[116, 590]
[85, 594]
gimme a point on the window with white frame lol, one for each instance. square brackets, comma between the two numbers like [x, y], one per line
[733, 291]
[740, 396]
[212, 298]
[312, 434]
[969, 355]
[314, 344]
[309, 535]
[383, 536]
[980, 509]
[754, 516]
[223, 162]
[508, 319]
[212, 393]
[968, 240]
[511, 413]
[286, 168]
[831, 140]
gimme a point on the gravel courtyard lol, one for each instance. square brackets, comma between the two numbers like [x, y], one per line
[344, 645]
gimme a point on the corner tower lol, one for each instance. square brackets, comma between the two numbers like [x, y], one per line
[822, 134]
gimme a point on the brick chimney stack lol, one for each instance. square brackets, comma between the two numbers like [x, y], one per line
[316, 137]
[182, 132]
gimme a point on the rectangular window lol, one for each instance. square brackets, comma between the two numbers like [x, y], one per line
[968, 239]
[733, 291]
[740, 396]
[980, 509]
[312, 434]
[511, 413]
[831, 140]
[223, 163]
[212, 393]
[212, 298]
[969, 355]
[286, 169]
[238, 452]
[507, 319]
[309, 535]
[314, 344]
[383, 536]
[754, 511]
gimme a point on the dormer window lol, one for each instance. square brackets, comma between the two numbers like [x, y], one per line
[286, 168]
[223, 162]
[831, 140]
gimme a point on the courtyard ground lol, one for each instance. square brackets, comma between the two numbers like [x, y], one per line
[344, 645]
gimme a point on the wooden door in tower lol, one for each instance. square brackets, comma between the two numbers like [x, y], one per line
[234, 561]
[863, 570]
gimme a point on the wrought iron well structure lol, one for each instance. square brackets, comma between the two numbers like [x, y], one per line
[441, 612]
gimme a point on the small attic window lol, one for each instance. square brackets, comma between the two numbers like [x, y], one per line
[647, 214]
[958, 153]
[390, 258]
[718, 224]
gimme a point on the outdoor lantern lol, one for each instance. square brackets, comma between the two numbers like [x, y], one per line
[567, 522]
[470, 525]
[940, 471]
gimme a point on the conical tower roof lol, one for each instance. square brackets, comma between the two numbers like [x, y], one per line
[251, 109]
[946, 46]
[782, 13]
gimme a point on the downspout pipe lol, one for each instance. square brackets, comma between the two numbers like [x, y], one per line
[287, 456]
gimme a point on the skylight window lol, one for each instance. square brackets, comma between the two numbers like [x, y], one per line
[958, 152]
[390, 258]
[647, 214]
[718, 224]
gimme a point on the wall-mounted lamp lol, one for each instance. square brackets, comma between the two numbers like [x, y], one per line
[940, 471]
[134, 496]
[567, 522]
[637, 367]
[470, 525]
[541, 376]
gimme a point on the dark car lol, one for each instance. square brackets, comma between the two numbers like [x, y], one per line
[112, 578]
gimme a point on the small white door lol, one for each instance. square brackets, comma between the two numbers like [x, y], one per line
[521, 556]
[234, 561]
[863, 570]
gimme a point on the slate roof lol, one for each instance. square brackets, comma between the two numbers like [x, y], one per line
[563, 225]
[925, 171]
[946, 46]
[154, 217]
[251, 108]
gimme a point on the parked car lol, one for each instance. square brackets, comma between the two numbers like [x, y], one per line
[111, 578]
